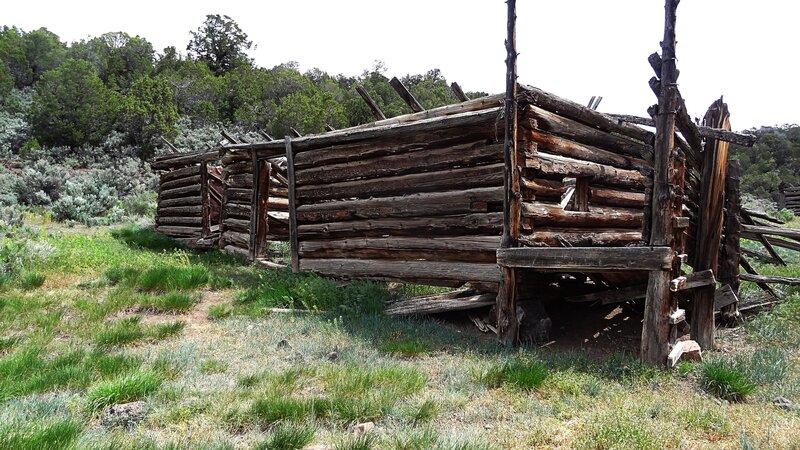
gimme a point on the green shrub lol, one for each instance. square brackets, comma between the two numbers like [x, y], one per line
[31, 280]
[726, 381]
[132, 387]
[288, 437]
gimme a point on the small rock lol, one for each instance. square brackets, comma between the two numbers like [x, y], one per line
[365, 427]
[124, 414]
[783, 403]
[488, 426]
[334, 355]
[284, 344]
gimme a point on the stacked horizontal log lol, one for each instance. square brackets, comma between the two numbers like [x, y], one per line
[791, 199]
[585, 176]
[180, 206]
[420, 201]
[239, 204]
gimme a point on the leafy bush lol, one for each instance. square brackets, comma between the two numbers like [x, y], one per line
[31, 280]
[40, 183]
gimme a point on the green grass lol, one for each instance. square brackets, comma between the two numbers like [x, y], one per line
[40, 435]
[213, 366]
[171, 278]
[121, 332]
[166, 330]
[364, 441]
[173, 302]
[31, 280]
[144, 238]
[288, 437]
[408, 348]
[131, 387]
[618, 431]
[723, 379]
[518, 373]
[218, 312]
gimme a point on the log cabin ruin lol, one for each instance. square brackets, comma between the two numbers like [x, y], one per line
[524, 196]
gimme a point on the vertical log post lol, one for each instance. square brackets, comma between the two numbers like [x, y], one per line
[262, 201]
[293, 239]
[205, 201]
[507, 324]
[731, 246]
[251, 251]
[659, 304]
[709, 227]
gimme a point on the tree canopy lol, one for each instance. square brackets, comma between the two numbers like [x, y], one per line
[220, 43]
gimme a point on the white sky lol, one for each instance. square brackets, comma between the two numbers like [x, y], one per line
[745, 51]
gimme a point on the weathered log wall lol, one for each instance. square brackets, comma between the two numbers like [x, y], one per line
[585, 178]
[183, 208]
[240, 203]
[419, 202]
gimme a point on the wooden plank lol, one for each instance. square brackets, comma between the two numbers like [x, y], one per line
[745, 139]
[588, 259]
[460, 95]
[376, 111]
[179, 220]
[179, 182]
[556, 165]
[438, 181]
[693, 280]
[436, 304]
[772, 279]
[181, 201]
[561, 146]
[747, 220]
[415, 205]
[184, 211]
[401, 270]
[725, 297]
[183, 191]
[179, 231]
[582, 114]
[462, 224]
[549, 214]
[558, 125]
[206, 225]
[750, 270]
[611, 296]
[293, 237]
[413, 161]
[581, 194]
[582, 237]
[184, 160]
[404, 93]
[772, 231]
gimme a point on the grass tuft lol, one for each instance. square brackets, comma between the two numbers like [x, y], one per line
[276, 409]
[363, 441]
[173, 302]
[165, 330]
[213, 366]
[519, 373]
[38, 436]
[171, 278]
[288, 437]
[31, 280]
[132, 387]
[407, 348]
[121, 332]
[722, 379]
[218, 312]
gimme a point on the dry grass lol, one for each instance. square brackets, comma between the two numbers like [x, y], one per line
[251, 380]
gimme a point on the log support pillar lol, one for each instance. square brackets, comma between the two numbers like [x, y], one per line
[665, 205]
[506, 306]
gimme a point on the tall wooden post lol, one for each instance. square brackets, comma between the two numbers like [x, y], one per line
[507, 324]
[709, 228]
[659, 304]
[731, 246]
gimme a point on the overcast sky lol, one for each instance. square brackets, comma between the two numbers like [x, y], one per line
[746, 51]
